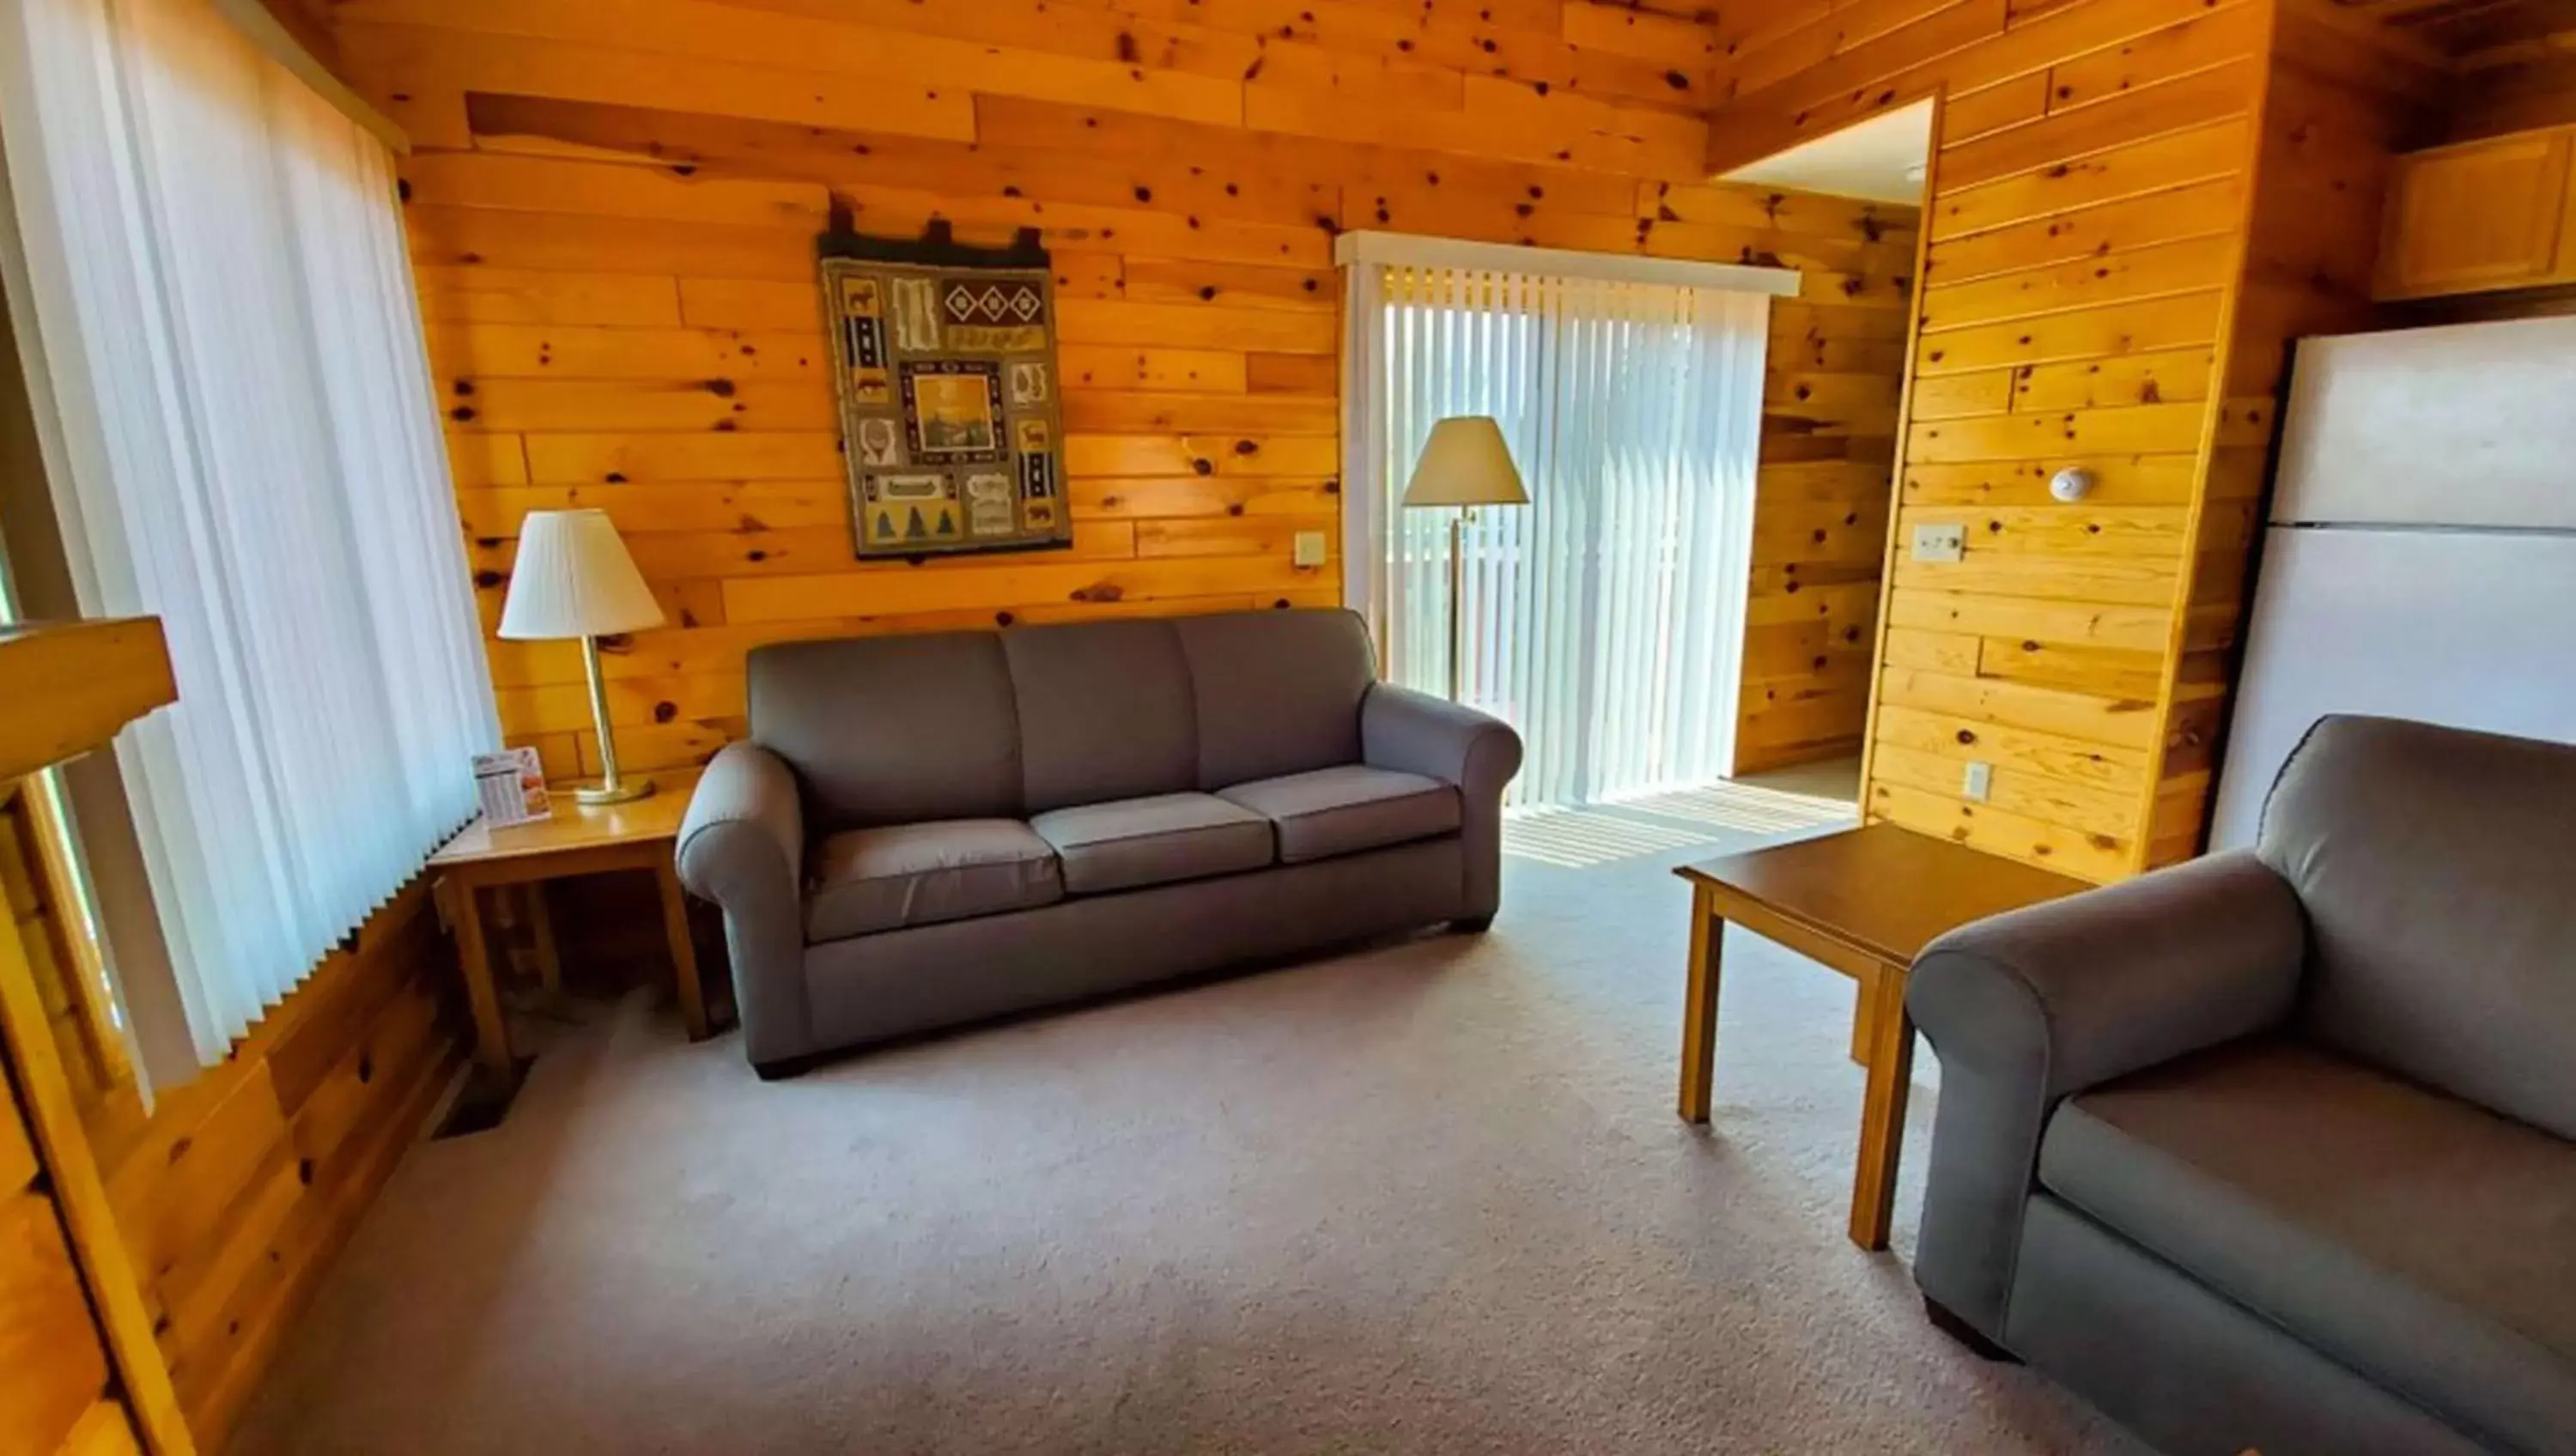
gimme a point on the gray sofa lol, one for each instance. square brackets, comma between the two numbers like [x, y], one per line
[2272, 1150]
[927, 830]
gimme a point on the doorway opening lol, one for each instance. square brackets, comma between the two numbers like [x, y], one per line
[1815, 523]
[1826, 487]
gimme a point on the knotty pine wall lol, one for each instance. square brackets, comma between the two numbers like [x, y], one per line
[59, 1399]
[612, 210]
[236, 1193]
[231, 1196]
[60, 1395]
[2133, 203]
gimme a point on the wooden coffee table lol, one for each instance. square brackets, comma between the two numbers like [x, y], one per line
[1864, 902]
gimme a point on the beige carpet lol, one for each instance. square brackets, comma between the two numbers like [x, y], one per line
[1428, 1198]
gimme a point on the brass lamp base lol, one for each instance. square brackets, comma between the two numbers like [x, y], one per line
[624, 791]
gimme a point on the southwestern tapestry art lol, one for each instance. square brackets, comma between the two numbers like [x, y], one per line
[945, 358]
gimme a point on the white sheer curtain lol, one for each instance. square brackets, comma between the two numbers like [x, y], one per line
[207, 271]
[1606, 618]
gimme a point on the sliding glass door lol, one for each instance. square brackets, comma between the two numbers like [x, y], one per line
[1605, 618]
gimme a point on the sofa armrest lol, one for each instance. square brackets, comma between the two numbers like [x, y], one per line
[2027, 1008]
[1418, 733]
[742, 845]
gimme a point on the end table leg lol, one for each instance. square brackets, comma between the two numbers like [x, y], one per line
[541, 929]
[684, 953]
[1699, 1006]
[474, 961]
[1882, 1116]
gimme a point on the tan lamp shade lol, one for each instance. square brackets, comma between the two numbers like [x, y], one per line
[1466, 463]
[574, 579]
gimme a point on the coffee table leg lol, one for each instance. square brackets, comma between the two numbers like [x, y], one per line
[1699, 1006]
[1864, 1015]
[1882, 1115]
[684, 953]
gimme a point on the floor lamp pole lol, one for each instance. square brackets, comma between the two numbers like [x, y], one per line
[1457, 602]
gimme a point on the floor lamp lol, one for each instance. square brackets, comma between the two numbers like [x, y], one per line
[1464, 464]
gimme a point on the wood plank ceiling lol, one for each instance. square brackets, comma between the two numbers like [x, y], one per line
[2473, 33]
[2471, 30]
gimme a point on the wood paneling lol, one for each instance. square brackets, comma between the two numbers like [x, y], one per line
[1823, 493]
[612, 213]
[235, 1193]
[217, 1213]
[66, 1301]
[2133, 206]
[52, 1349]
[62, 967]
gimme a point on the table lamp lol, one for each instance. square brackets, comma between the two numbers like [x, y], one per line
[1464, 464]
[573, 578]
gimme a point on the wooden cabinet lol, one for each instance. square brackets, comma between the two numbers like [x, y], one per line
[2480, 216]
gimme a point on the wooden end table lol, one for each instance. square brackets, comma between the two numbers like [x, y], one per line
[578, 840]
[1864, 902]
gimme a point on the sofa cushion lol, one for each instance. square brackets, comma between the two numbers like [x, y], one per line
[1105, 712]
[1277, 692]
[891, 730]
[1153, 841]
[867, 880]
[1343, 810]
[2433, 867]
[2416, 1238]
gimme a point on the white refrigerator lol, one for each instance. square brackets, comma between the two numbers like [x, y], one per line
[2420, 558]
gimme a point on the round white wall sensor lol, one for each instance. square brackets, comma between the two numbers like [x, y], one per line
[2071, 484]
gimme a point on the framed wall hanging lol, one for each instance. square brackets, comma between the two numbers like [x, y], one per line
[945, 359]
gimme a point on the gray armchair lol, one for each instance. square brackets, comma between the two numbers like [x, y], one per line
[2272, 1150]
[922, 831]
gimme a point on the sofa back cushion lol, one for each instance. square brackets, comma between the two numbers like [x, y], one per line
[1277, 692]
[2434, 867]
[892, 730]
[1105, 712]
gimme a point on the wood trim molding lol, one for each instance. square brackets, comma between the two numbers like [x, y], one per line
[264, 30]
[72, 685]
[1407, 250]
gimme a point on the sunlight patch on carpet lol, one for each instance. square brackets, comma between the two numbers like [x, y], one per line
[1719, 814]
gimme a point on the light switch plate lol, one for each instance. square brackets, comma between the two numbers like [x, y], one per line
[1940, 542]
[1308, 550]
[1978, 781]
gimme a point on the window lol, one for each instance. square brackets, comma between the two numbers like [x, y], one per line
[73, 982]
[1605, 619]
[206, 272]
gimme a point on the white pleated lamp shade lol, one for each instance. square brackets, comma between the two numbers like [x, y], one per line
[1466, 463]
[574, 579]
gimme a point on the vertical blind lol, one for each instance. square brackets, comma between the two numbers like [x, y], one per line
[1606, 618]
[207, 269]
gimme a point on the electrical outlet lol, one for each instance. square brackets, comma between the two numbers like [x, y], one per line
[1978, 782]
[1941, 542]
[1308, 549]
